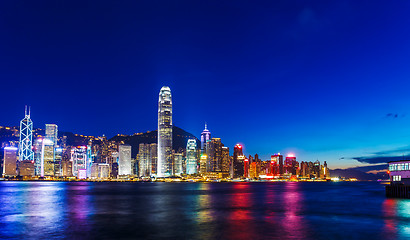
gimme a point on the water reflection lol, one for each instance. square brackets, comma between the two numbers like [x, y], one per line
[293, 223]
[239, 224]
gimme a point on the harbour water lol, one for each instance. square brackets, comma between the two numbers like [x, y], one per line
[269, 210]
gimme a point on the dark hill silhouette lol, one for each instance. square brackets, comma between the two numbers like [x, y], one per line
[179, 139]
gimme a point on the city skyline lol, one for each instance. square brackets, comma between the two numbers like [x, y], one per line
[322, 80]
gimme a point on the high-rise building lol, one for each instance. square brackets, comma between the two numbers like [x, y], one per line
[226, 159]
[26, 137]
[37, 156]
[276, 164]
[202, 164]
[153, 153]
[10, 161]
[238, 162]
[79, 161]
[48, 157]
[124, 161]
[164, 166]
[191, 157]
[144, 160]
[178, 164]
[289, 164]
[246, 168]
[205, 137]
[52, 133]
[214, 153]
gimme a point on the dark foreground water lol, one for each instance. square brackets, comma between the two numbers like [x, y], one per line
[84, 210]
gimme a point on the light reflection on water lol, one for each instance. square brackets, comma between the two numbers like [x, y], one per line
[84, 210]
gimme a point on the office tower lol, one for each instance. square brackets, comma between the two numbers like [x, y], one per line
[214, 153]
[238, 162]
[246, 168]
[289, 163]
[124, 161]
[37, 156]
[153, 158]
[79, 161]
[316, 168]
[143, 160]
[178, 166]
[202, 164]
[26, 137]
[325, 170]
[205, 137]
[58, 158]
[52, 133]
[304, 168]
[278, 164]
[164, 166]
[226, 159]
[191, 157]
[10, 161]
[47, 154]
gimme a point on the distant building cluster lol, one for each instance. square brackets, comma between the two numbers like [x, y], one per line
[47, 155]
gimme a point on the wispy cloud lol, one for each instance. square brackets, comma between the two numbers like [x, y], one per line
[394, 115]
[380, 159]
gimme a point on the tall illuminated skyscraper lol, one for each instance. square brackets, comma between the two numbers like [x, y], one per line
[26, 137]
[164, 166]
[191, 157]
[205, 137]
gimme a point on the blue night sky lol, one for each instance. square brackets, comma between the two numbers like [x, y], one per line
[327, 80]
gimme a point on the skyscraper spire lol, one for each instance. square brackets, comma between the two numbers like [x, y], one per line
[26, 137]
[206, 126]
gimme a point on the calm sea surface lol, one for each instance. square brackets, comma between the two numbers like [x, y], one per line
[84, 210]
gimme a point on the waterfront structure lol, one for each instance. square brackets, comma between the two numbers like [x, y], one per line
[399, 174]
[191, 157]
[124, 160]
[205, 137]
[164, 166]
[10, 161]
[26, 137]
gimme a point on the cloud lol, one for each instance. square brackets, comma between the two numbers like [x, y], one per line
[380, 159]
[394, 115]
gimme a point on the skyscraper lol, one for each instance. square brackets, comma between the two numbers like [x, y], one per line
[238, 162]
[124, 162]
[143, 160]
[26, 137]
[205, 137]
[164, 166]
[10, 161]
[191, 157]
[214, 153]
[52, 133]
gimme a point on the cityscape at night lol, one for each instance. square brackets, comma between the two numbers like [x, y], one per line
[204, 119]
